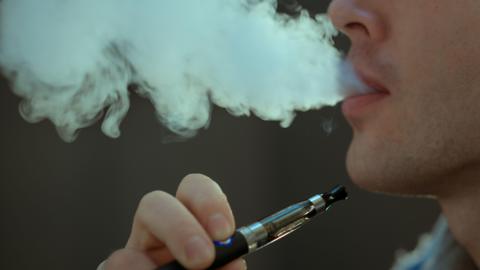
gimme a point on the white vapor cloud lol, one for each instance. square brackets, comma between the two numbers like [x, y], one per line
[71, 61]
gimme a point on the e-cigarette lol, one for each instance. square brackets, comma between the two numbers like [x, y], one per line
[260, 234]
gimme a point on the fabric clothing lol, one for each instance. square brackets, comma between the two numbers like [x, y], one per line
[436, 251]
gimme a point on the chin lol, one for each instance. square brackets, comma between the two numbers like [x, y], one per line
[372, 182]
[380, 174]
[368, 179]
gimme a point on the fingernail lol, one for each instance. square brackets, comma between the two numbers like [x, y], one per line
[219, 227]
[198, 250]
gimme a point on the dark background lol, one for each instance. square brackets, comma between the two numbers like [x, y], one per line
[68, 206]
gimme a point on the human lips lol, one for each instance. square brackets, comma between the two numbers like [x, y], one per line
[356, 105]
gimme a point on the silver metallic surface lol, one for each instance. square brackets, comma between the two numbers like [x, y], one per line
[282, 223]
[254, 234]
[319, 203]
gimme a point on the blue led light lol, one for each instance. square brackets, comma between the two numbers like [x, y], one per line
[225, 243]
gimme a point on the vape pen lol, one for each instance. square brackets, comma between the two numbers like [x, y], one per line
[253, 237]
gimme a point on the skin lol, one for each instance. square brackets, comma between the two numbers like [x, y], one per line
[422, 139]
[181, 227]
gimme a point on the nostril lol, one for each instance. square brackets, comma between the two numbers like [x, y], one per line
[342, 42]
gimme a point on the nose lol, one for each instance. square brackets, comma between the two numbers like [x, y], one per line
[357, 20]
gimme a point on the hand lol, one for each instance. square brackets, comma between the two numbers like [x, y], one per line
[181, 228]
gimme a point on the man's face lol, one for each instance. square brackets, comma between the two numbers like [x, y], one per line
[426, 54]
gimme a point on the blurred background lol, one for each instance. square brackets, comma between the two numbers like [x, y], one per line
[68, 206]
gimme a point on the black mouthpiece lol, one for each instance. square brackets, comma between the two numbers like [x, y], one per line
[338, 193]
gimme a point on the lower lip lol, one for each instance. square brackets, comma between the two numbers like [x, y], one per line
[354, 106]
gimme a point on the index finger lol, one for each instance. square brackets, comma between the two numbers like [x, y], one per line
[207, 202]
[161, 220]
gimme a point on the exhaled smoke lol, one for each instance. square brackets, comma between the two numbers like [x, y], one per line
[72, 61]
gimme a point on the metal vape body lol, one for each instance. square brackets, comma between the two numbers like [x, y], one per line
[272, 228]
[260, 234]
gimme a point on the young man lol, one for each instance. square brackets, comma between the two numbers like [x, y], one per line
[418, 134]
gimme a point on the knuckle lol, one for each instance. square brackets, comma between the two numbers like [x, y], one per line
[202, 196]
[197, 186]
[156, 207]
[152, 203]
[193, 178]
[155, 198]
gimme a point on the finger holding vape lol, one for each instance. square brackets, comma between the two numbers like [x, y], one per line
[127, 259]
[260, 234]
[166, 228]
[207, 202]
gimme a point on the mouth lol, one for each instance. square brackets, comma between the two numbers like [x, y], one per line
[353, 107]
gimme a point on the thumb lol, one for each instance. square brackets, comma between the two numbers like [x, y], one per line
[128, 259]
